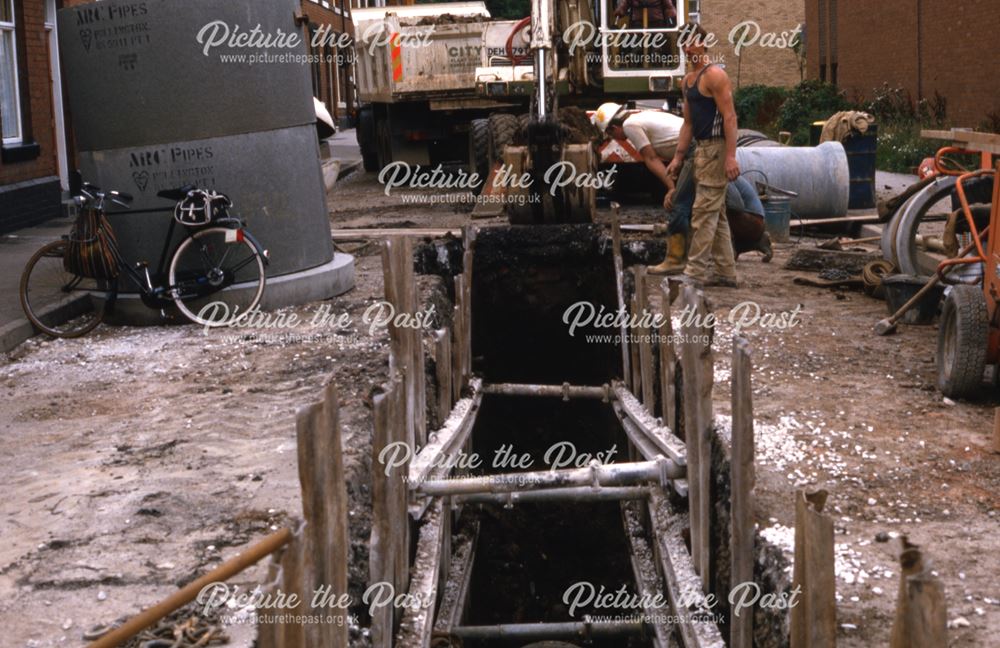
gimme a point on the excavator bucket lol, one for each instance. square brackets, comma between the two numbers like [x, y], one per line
[570, 204]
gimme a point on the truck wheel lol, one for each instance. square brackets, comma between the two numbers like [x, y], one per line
[366, 138]
[502, 129]
[479, 150]
[962, 340]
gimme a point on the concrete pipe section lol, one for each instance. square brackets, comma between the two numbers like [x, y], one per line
[158, 102]
[899, 245]
[818, 174]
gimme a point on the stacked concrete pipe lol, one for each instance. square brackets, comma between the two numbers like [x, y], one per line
[154, 108]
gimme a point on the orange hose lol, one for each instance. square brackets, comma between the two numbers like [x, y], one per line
[188, 593]
[517, 60]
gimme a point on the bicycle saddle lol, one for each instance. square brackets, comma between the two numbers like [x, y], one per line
[176, 194]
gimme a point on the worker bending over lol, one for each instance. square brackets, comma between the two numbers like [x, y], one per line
[654, 134]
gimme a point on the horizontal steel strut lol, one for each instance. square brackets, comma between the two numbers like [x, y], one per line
[660, 470]
[580, 494]
[565, 391]
[568, 630]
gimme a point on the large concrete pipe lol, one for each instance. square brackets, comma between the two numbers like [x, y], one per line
[818, 174]
[899, 236]
[161, 99]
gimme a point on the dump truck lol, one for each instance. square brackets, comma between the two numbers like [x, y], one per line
[445, 83]
[415, 76]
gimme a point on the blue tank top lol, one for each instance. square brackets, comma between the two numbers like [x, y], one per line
[706, 120]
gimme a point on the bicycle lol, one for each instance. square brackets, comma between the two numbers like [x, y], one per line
[217, 254]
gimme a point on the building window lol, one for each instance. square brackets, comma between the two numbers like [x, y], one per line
[10, 100]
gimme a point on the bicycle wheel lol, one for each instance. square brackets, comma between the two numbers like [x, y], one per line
[216, 277]
[58, 302]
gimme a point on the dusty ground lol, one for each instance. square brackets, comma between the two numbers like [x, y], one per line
[135, 459]
[840, 408]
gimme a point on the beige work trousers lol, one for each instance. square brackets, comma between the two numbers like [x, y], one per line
[710, 238]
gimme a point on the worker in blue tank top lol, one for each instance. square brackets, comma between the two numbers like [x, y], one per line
[709, 121]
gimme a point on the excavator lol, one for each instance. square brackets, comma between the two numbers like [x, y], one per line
[576, 56]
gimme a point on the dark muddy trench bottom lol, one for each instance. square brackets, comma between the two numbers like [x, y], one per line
[545, 562]
[548, 562]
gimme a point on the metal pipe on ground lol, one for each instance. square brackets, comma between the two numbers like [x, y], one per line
[565, 391]
[188, 593]
[660, 470]
[580, 630]
[581, 494]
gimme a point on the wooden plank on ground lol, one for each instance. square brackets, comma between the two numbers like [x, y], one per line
[645, 345]
[648, 579]
[921, 613]
[698, 372]
[454, 597]
[389, 547]
[634, 352]
[742, 483]
[967, 139]
[668, 400]
[996, 430]
[406, 345]
[418, 617]
[469, 239]
[616, 252]
[295, 580]
[458, 347]
[449, 439]
[269, 634]
[659, 435]
[442, 373]
[368, 233]
[814, 620]
[496, 191]
[696, 617]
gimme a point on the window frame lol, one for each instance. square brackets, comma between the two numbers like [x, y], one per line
[11, 28]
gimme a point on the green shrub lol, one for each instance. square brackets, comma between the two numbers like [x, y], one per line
[899, 117]
[758, 106]
[900, 147]
[808, 102]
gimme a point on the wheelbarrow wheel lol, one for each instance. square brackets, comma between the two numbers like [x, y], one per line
[962, 340]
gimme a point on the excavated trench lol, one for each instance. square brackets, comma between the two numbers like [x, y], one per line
[529, 555]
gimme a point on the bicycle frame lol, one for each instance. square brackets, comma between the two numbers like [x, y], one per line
[153, 290]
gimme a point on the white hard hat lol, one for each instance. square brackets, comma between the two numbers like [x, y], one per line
[604, 115]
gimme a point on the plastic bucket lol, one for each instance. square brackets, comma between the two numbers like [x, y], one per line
[777, 217]
[900, 288]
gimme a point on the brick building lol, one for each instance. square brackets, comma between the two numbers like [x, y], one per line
[333, 66]
[919, 45]
[33, 159]
[768, 21]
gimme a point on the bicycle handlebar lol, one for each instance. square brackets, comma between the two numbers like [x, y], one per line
[93, 192]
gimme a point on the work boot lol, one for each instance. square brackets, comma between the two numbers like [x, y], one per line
[676, 256]
[764, 246]
[724, 282]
